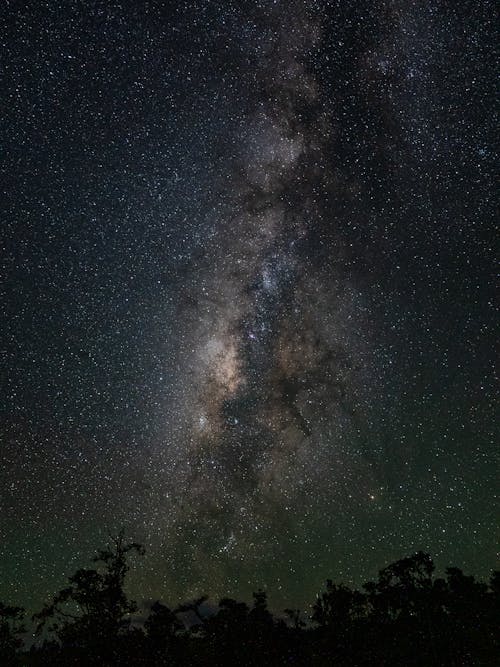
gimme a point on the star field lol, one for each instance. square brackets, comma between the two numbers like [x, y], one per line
[247, 299]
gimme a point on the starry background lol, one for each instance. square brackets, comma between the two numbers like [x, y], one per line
[247, 291]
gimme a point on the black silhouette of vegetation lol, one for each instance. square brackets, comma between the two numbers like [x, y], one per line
[407, 617]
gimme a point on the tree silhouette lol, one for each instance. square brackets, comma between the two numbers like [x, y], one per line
[90, 616]
[338, 611]
[471, 616]
[406, 618]
[401, 606]
[226, 632]
[162, 632]
[338, 606]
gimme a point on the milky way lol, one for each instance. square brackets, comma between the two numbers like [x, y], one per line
[249, 292]
[270, 414]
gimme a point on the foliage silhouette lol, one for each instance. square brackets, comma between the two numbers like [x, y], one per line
[407, 617]
[162, 629]
[91, 617]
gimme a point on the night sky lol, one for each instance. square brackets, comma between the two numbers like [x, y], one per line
[247, 294]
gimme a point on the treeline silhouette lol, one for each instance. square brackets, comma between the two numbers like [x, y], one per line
[407, 617]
